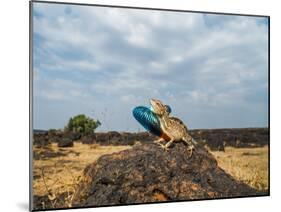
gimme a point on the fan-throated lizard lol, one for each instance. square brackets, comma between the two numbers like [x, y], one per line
[173, 127]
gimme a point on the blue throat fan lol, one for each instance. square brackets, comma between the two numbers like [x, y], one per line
[148, 119]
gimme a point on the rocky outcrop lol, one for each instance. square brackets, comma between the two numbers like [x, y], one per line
[65, 142]
[64, 139]
[215, 139]
[146, 173]
[41, 140]
[123, 138]
[89, 139]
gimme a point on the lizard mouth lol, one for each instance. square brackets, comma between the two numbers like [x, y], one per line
[152, 102]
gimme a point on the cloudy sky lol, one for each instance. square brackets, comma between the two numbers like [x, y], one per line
[211, 69]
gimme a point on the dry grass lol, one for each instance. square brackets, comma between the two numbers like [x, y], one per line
[249, 165]
[59, 175]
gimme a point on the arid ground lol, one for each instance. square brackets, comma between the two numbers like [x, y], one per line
[57, 170]
[249, 165]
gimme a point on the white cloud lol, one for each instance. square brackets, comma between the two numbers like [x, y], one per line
[129, 56]
[58, 89]
[53, 95]
[139, 35]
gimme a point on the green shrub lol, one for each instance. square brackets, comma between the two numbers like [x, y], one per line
[82, 124]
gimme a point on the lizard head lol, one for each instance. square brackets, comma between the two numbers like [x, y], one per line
[158, 107]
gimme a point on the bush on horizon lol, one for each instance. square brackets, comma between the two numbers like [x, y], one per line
[82, 124]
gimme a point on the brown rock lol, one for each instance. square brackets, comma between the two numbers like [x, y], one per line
[216, 139]
[65, 142]
[146, 173]
[41, 140]
[88, 139]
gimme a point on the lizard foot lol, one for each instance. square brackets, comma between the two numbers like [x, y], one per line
[164, 147]
[158, 141]
[190, 150]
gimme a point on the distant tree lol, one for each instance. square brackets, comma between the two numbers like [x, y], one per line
[52, 131]
[82, 124]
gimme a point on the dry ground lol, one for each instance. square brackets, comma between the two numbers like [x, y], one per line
[60, 171]
[60, 174]
[249, 165]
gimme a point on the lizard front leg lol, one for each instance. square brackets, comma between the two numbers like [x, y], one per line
[166, 146]
[158, 141]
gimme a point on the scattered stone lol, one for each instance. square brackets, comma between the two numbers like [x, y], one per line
[41, 140]
[65, 142]
[89, 139]
[74, 136]
[215, 139]
[47, 154]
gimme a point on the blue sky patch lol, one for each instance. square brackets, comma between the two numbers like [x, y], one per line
[211, 69]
